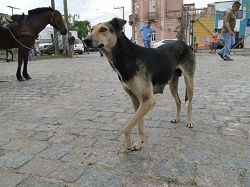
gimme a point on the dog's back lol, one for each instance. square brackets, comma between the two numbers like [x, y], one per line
[159, 64]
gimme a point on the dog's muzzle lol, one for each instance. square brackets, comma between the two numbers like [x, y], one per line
[89, 42]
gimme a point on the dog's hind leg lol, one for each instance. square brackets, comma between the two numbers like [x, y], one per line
[141, 137]
[190, 92]
[173, 86]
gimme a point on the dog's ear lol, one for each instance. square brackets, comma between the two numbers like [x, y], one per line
[118, 24]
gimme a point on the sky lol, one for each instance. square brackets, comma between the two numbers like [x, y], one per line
[95, 11]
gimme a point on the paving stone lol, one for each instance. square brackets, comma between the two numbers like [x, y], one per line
[198, 157]
[84, 141]
[40, 182]
[16, 144]
[34, 147]
[135, 163]
[39, 166]
[216, 176]
[102, 178]
[57, 151]
[42, 136]
[22, 134]
[246, 181]
[179, 170]
[136, 181]
[100, 158]
[14, 160]
[11, 179]
[4, 141]
[68, 172]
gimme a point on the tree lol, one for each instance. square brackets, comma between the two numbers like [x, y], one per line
[82, 27]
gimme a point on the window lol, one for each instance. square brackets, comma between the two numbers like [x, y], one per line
[221, 15]
[153, 36]
[239, 14]
[152, 5]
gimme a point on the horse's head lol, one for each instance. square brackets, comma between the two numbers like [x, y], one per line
[57, 22]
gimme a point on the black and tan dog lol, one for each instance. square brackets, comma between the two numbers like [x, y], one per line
[144, 72]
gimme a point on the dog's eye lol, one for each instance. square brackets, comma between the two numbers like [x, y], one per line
[103, 30]
[91, 30]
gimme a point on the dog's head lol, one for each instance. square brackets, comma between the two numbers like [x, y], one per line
[104, 35]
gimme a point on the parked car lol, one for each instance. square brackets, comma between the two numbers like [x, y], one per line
[157, 44]
[78, 48]
[45, 46]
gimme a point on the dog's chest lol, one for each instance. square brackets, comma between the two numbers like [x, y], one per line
[115, 69]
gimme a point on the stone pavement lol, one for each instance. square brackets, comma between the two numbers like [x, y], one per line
[61, 128]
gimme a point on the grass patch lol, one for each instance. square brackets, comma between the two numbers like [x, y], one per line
[172, 181]
[193, 182]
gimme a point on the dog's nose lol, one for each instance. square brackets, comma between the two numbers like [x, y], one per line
[88, 41]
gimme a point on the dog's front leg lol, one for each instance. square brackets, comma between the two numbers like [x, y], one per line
[136, 103]
[144, 107]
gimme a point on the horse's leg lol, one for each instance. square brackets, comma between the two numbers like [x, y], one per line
[25, 64]
[7, 55]
[20, 61]
[18, 73]
[11, 52]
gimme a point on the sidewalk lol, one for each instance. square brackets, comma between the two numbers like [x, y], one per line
[61, 128]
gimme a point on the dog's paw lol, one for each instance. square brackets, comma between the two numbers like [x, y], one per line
[190, 125]
[134, 147]
[175, 120]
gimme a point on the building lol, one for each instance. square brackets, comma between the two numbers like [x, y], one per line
[162, 14]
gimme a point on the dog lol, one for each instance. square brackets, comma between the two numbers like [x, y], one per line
[144, 72]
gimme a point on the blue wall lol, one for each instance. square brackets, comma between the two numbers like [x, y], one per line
[243, 23]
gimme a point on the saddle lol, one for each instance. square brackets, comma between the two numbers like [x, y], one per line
[6, 22]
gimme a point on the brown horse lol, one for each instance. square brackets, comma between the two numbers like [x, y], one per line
[24, 34]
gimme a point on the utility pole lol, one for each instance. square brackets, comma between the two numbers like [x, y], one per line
[121, 7]
[56, 45]
[133, 28]
[66, 16]
[12, 8]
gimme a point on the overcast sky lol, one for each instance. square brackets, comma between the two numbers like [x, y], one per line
[95, 11]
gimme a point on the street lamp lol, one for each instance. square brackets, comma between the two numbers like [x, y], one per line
[12, 8]
[121, 7]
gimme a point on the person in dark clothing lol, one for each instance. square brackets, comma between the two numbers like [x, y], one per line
[72, 43]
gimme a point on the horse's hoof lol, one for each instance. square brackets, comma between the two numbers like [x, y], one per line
[27, 77]
[20, 79]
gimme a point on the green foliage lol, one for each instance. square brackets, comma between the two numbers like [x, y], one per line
[82, 27]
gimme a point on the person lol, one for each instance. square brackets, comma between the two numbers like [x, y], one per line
[229, 23]
[31, 54]
[179, 30]
[101, 54]
[6, 22]
[72, 43]
[85, 47]
[214, 41]
[146, 33]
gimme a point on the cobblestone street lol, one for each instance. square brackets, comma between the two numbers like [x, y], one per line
[62, 127]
